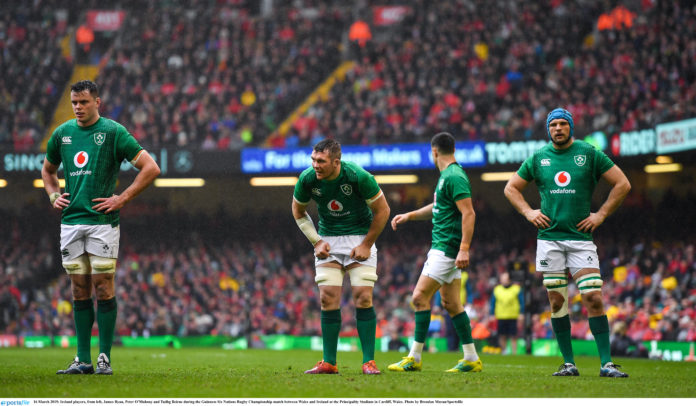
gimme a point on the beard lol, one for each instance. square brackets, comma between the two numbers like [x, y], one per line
[561, 143]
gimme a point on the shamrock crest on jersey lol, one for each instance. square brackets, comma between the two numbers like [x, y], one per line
[99, 138]
[346, 189]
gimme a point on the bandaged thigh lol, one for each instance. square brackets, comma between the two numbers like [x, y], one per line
[328, 276]
[77, 266]
[363, 276]
[558, 282]
[102, 264]
[591, 282]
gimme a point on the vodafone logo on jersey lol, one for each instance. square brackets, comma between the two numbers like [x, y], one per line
[562, 178]
[81, 159]
[335, 205]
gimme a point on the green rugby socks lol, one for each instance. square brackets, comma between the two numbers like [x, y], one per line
[561, 328]
[422, 325]
[462, 325]
[83, 313]
[330, 328]
[367, 327]
[106, 320]
[599, 326]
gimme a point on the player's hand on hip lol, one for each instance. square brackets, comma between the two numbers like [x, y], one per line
[322, 249]
[462, 260]
[398, 219]
[360, 253]
[108, 204]
[62, 201]
[539, 219]
[590, 223]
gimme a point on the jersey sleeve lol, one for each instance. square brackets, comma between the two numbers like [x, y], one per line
[127, 146]
[367, 185]
[526, 170]
[53, 148]
[459, 187]
[301, 194]
[602, 163]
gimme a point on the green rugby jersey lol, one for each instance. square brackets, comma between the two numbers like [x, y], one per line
[452, 186]
[341, 202]
[91, 158]
[566, 180]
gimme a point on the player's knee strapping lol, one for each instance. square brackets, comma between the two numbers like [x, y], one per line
[77, 266]
[363, 276]
[558, 282]
[327, 276]
[591, 282]
[102, 264]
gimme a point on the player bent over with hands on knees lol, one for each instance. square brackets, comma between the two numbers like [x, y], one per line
[566, 172]
[91, 149]
[453, 218]
[352, 214]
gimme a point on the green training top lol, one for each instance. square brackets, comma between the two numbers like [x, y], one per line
[566, 180]
[91, 158]
[452, 186]
[341, 202]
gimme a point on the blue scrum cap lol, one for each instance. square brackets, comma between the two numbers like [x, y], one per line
[560, 113]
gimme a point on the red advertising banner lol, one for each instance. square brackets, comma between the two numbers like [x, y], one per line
[388, 15]
[7, 340]
[105, 20]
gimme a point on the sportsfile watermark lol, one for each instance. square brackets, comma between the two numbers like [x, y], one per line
[15, 402]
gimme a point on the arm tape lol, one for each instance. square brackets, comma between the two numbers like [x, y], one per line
[307, 227]
[374, 199]
[53, 197]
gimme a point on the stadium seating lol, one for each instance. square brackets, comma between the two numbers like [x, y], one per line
[222, 280]
[33, 72]
[224, 78]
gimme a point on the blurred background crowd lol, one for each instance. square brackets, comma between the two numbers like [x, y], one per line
[224, 279]
[225, 74]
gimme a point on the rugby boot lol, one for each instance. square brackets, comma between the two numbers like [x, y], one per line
[407, 364]
[467, 366]
[567, 369]
[370, 368]
[322, 367]
[611, 370]
[77, 368]
[104, 365]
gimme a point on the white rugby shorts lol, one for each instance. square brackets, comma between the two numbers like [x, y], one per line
[341, 246]
[101, 240]
[556, 256]
[440, 267]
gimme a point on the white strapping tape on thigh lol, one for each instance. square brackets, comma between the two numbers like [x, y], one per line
[363, 275]
[102, 264]
[327, 276]
[590, 283]
[77, 266]
[558, 282]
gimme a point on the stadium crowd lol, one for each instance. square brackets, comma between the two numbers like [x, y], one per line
[33, 71]
[485, 71]
[224, 280]
[219, 75]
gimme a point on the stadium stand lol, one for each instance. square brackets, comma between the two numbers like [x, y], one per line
[482, 71]
[33, 72]
[225, 76]
[221, 280]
